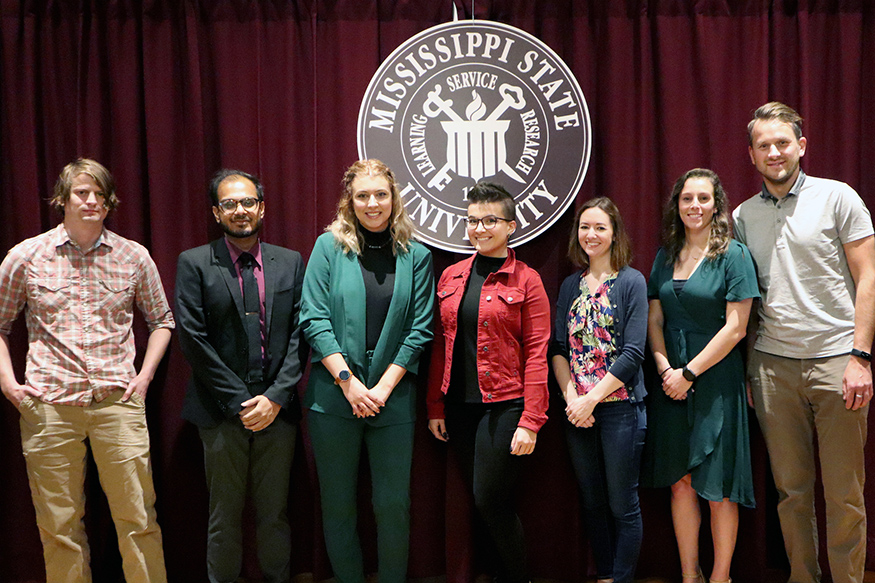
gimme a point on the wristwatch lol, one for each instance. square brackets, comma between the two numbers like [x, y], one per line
[688, 374]
[342, 377]
[860, 354]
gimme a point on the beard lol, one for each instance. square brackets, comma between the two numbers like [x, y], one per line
[791, 173]
[241, 232]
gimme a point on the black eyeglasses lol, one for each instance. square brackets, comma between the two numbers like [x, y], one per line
[229, 205]
[489, 222]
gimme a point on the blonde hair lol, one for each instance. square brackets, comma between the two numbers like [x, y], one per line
[95, 170]
[345, 226]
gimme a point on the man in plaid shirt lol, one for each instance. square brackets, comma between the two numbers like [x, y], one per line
[79, 282]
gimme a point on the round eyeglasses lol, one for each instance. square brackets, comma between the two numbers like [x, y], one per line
[229, 205]
[488, 222]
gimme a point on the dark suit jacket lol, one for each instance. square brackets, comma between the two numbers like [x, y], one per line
[209, 315]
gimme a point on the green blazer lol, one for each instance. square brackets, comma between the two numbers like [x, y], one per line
[333, 312]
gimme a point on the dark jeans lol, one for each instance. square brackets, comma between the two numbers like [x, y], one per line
[235, 457]
[480, 436]
[606, 459]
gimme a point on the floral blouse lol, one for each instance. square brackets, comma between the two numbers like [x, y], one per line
[591, 338]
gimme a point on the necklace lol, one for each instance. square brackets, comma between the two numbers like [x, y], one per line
[694, 253]
[380, 246]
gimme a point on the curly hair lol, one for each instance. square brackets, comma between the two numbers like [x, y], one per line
[673, 231]
[345, 226]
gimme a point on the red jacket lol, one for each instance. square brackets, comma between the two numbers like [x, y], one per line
[512, 338]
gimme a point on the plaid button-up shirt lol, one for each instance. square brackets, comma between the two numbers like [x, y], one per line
[79, 311]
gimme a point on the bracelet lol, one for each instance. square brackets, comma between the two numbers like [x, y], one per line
[668, 368]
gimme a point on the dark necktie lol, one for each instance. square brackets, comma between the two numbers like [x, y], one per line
[252, 316]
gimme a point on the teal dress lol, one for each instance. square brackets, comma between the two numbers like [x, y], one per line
[705, 435]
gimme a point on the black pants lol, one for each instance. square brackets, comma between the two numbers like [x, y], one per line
[233, 458]
[480, 436]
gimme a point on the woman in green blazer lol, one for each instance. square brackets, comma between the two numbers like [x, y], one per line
[366, 311]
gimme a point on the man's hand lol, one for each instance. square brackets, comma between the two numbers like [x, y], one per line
[523, 442]
[139, 384]
[857, 383]
[258, 412]
[16, 393]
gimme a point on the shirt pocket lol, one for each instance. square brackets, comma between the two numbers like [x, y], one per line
[509, 307]
[53, 295]
[512, 298]
[115, 293]
[449, 298]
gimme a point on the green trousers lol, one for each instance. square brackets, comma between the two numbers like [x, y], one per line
[337, 446]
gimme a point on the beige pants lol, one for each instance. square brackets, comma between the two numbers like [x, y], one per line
[53, 440]
[794, 399]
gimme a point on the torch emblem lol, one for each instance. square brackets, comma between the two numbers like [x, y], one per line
[476, 147]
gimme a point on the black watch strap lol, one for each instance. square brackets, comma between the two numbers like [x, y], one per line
[688, 374]
[860, 354]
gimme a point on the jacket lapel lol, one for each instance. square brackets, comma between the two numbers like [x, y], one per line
[222, 261]
[351, 285]
[268, 264]
[396, 319]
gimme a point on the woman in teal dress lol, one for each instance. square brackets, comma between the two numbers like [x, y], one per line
[700, 290]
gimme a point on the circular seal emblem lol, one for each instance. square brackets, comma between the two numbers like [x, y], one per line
[477, 100]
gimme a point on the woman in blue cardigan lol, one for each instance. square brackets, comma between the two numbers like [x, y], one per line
[366, 312]
[597, 351]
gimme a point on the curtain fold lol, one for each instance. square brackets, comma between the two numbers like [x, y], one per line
[166, 92]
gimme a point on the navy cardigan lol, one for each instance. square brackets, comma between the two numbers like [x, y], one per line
[628, 298]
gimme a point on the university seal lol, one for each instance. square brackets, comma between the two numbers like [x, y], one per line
[477, 100]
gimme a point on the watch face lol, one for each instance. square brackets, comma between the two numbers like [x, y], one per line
[344, 375]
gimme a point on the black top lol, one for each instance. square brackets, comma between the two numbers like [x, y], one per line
[378, 271]
[464, 383]
[678, 285]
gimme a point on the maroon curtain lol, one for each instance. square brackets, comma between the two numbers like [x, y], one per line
[165, 92]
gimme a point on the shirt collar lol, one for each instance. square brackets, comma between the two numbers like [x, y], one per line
[797, 188]
[236, 252]
[61, 237]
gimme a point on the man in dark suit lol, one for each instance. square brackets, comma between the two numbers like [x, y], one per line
[237, 302]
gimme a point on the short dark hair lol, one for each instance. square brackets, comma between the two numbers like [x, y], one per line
[779, 111]
[226, 173]
[95, 170]
[621, 246]
[486, 192]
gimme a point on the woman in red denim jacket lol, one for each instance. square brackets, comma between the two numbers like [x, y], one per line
[487, 392]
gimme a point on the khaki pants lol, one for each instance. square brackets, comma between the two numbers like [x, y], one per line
[53, 440]
[793, 399]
